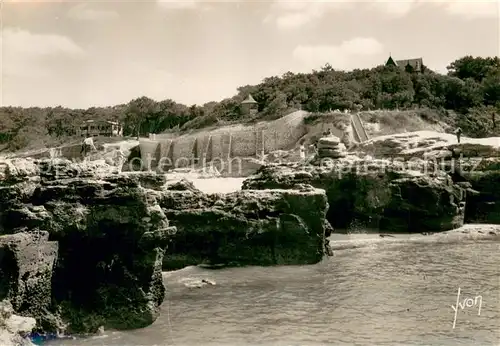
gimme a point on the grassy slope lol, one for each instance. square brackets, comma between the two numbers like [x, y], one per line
[380, 123]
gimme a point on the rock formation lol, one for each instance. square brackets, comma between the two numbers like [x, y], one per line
[14, 329]
[269, 227]
[26, 264]
[375, 194]
[483, 197]
[428, 144]
[110, 235]
[331, 147]
[411, 182]
[82, 247]
[473, 161]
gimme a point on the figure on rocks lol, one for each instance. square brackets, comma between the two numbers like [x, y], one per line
[302, 150]
[458, 132]
[87, 146]
[346, 138]
[313, 148]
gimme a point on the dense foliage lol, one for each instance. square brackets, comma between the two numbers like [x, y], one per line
[471, 89]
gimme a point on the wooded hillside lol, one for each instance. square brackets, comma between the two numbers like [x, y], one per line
[468, 96]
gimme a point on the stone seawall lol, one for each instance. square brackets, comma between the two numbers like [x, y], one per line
[224, 143]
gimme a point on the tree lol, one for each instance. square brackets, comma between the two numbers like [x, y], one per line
[470, 67]
[471, 84]
[491, 87]
[278, 105]
[137, 111]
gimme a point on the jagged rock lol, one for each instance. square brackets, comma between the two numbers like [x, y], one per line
[330, 142]
[112, 235]
[26, 264]
[112, 230]
[331, 147]
[197, 283]
[14, 329]
[423, 203]
[333, 153]
[183, 185]
[278, 156]
[483, 196]
[58, 169]
[246, 227]
[383, 196]
[430, 144]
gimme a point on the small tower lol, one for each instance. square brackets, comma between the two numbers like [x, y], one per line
[249, 106]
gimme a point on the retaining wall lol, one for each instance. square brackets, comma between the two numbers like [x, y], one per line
[226, 142]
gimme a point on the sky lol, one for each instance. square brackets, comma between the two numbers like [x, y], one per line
[101, 53]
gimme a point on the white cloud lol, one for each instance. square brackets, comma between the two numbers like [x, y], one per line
[23, 51]
[191, 4]
[83, 12]
[349, 54]
[287, 14]
[178, 5]
[395, 8]
[293, 20]
[473, 10]
[110, 85]
[468, 9]
[291, 15]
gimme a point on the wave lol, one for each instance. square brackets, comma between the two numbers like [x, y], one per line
[185, 270]
[474, 234]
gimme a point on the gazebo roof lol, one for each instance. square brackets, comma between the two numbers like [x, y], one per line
[249, 99]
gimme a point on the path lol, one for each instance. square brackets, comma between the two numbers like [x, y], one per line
[358, 128]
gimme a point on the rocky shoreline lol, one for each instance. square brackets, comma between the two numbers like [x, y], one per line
[14, 329]
[83, 245]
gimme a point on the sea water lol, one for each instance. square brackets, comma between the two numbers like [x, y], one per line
[373, 291]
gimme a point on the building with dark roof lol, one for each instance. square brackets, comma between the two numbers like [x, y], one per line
[249, 105]
[410, 65]
[93, 128]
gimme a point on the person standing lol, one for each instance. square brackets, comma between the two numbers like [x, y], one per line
[346, 138]
[458, 132]
[87, 146]
[302, 150]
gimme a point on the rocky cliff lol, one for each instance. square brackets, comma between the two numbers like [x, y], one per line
[475, 161]
[269, 227]
[414, 182]
[105, 234]
[374, 194]
[82, 245]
